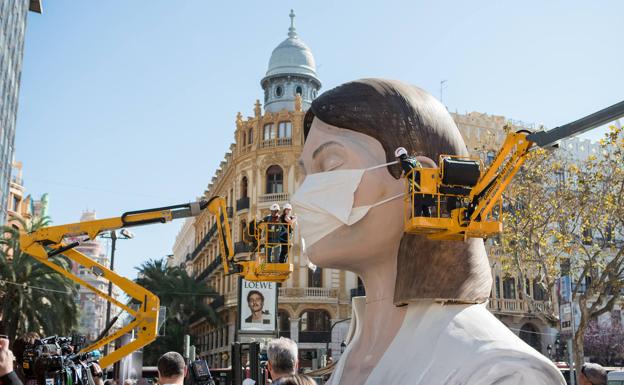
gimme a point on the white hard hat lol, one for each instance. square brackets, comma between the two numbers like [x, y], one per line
[400, 151]
[287, 206]
[275, 207]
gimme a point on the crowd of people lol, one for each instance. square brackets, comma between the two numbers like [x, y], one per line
[283, 367]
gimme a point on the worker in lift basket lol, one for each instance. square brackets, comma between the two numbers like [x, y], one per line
[273, 228]
[409, 163]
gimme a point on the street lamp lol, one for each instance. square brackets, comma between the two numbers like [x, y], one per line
[549, 350]
[328, 352]
[112, 235]
[343, 345]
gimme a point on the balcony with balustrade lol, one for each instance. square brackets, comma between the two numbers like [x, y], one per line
[518, 306]
[276, 142]
[272, 198]
[308, 295]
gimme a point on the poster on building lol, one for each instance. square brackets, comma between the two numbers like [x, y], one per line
[258, 307]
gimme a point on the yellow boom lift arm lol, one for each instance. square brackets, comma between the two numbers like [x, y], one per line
[50, 241]
[470, 195]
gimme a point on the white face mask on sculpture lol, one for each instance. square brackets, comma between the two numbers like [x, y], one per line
[324, 202]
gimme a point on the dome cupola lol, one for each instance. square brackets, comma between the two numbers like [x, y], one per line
[291, 71]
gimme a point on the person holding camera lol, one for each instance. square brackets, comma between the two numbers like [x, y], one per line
[7, 374]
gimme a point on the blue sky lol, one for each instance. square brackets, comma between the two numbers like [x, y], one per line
[131, 105]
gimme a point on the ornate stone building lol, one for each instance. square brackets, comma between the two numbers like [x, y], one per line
[261, 169]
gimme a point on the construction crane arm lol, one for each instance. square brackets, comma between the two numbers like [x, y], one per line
[512, 155]
[47, 242]
[604, 116]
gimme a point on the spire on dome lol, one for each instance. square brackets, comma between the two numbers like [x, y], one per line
[292, 33]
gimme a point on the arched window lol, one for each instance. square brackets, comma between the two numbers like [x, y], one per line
[243, 187]
[244, 139]
[284, 130]
[274, 180]
[268, 133]
[279, 91]
[298, 90]
[317, 320]
[250, 136]
[530, 335]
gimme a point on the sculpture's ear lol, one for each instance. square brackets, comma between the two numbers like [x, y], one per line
[426, 162]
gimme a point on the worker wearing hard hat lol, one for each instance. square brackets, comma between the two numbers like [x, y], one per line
[273, 229]
[409, 163]
[288, 221]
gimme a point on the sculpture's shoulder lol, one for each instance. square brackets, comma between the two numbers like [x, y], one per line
[460, 345]
[509, 367]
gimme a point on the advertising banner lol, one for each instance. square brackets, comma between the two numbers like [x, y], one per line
[258, 307]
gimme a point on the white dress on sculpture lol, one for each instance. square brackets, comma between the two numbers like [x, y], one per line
[455, 345]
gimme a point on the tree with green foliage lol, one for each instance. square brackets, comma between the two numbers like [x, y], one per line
[186, 300]
[33, 297]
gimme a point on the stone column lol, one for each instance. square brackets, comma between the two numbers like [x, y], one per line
[294, 329]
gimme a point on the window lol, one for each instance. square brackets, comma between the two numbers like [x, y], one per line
[244, 139]
[279, 91]
[498, 287]
[315, 278]
[274, 180]
[243, 193]
[298, 90]
[509, 288]
[284, 130]
[250, 136]
[315, 321]
[268, 132]
[539, 294]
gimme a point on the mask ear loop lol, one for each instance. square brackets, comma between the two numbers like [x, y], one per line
[392, 197]
[382, 165]
[388, 199]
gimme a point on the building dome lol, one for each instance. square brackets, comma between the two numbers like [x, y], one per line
[292, 56]
[291, 71]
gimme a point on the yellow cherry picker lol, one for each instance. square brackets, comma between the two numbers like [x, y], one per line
[47, 242]
[467, 198]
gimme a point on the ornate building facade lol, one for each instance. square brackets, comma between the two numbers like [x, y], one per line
[261, 169]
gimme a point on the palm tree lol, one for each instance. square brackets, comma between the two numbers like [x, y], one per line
[33, 297]
[185, 300]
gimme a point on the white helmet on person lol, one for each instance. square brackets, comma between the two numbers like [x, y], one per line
[400, 151]
[275, 207]
[287, 206]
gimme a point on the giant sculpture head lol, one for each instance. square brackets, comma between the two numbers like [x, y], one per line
[357, 126]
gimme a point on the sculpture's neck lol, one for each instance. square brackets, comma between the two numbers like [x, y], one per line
[380, 322]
